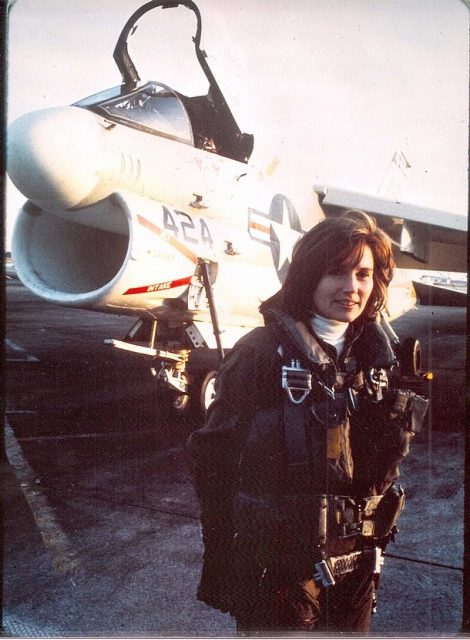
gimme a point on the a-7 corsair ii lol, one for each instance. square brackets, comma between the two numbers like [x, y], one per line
[141, 201]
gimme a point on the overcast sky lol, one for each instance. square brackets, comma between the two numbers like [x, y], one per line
[329, 88]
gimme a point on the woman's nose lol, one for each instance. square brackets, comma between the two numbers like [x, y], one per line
[349, 283]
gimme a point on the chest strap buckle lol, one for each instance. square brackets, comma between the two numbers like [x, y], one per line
[296, 381]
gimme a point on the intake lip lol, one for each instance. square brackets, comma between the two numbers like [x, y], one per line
[55, 157]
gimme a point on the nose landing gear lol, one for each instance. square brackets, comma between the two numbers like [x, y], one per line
[183, 367]
[173, 383]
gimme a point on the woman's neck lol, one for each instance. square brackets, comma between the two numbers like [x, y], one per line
[331, 331]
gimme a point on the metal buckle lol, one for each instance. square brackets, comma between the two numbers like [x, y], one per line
[377, 380]
[323, 574]
[296, 379]
[377, 560]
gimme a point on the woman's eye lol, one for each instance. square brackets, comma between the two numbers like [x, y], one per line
[335, 271]
[363, 275]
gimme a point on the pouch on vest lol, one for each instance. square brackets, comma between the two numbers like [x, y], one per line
[332, 412]
[412, 406]
[389, 510]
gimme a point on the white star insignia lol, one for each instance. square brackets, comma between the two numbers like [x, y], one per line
[286, 236]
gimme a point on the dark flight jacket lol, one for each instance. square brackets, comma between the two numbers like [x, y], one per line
[258, 504]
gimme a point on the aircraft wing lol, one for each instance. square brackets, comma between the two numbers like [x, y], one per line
[424, 238]
[438, 295]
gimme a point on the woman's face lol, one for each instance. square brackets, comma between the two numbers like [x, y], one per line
[343, 295]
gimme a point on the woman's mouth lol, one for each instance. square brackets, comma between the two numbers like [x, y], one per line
[347, 304]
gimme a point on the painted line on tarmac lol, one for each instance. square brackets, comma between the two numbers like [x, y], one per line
[64, 557]
[14, 412]
[431, 563]
[80, 436]
[25, 357]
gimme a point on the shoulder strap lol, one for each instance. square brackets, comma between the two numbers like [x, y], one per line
[297, 384]
[295, 421]
[331, 411]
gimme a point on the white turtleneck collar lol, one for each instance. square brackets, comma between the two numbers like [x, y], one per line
[331, 331]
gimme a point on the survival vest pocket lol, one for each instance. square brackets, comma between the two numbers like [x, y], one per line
[389, 510]
[411, 406]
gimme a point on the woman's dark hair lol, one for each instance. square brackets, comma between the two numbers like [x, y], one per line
[336, 242]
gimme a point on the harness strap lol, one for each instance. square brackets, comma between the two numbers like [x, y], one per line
[297, 384]
[331, 410]
[295, 436]
[319, 388]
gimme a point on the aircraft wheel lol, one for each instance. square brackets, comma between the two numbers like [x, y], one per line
[410, 357]
[207, 391]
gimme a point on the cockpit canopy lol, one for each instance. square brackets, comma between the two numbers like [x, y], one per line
[157, 109]
[153, 108]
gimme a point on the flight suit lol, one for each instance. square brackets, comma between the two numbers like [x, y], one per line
[262, 463]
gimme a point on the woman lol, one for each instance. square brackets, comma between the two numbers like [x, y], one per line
[295, 466]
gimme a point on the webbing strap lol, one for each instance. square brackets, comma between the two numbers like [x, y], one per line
[295, 436]
[297, 382]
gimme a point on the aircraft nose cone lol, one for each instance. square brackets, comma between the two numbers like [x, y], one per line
[54, 156]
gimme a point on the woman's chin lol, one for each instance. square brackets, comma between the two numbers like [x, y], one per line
[345, 315]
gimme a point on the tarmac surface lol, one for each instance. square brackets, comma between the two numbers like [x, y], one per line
[101, 529]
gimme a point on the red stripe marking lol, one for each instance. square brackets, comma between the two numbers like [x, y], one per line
[161, 286]
[179, 246]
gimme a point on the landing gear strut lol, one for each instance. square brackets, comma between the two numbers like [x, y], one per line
[180, 390]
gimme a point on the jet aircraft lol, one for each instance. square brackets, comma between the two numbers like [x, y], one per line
[142, 201]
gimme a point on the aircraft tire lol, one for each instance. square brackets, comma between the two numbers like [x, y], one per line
[410, 357]
[207, 392]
